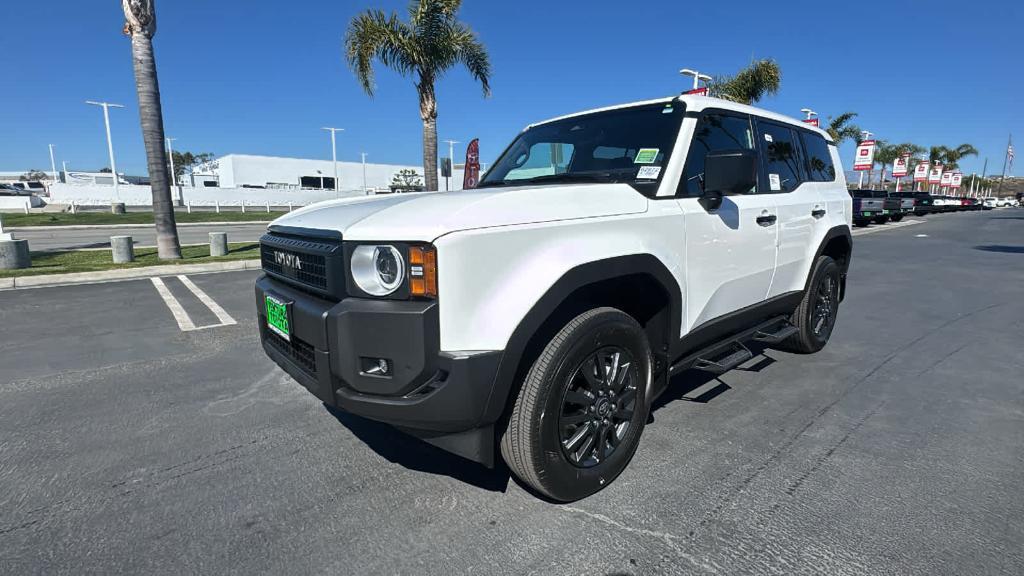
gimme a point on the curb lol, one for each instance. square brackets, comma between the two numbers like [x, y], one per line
[116, 226]
[72, 278]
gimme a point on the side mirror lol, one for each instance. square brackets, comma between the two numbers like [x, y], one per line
[728, 172]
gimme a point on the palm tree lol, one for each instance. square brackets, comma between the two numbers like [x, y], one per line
[140, 25]
[840, 128]
[761, 78]
[952, 156]
[885, 154]
[431, 43]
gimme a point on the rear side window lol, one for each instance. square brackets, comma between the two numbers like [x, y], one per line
[715, 132]
[780, 157]
[819, 159]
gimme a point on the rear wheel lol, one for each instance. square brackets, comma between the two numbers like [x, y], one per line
[897, 217]
[815, 317]
[582, 407]
[881, 219]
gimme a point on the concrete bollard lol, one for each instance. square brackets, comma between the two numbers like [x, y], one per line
[268, 207]
[243, 206]
[26, 206]
[216, 204]
[122, 249]
[117, 208]
[14, 255]
[218, 243]
[289, 206]
[188, 206]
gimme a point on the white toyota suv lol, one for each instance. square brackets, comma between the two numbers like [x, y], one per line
[540, 314]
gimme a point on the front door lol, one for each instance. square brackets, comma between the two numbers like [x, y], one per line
[731, 251]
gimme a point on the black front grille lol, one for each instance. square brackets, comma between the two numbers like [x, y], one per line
[316, 265]
[300, 352]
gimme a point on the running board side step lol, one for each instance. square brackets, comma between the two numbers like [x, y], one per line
[737, 354]
[730, 352]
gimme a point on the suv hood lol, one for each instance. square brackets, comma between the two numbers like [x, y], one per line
[426, 216]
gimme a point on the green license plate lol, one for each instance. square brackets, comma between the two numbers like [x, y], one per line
[868, 213]
[884, 212]
[277, 317]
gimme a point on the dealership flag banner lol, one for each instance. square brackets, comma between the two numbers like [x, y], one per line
[865, 159]
[899, 167]
[958, 179]
[947, 178]
[471, 171]
[812, 122]
[921, 171]
[935, 175]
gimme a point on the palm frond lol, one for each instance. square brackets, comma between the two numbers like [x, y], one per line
[468, 50]
[750, 85]
[377, 35]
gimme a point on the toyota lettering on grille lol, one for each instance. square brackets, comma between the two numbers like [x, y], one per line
[287, 260]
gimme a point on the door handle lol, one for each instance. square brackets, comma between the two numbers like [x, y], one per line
[766, 219]
[818, 212]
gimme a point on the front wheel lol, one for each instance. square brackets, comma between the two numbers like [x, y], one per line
[816, 315]
[582, 407]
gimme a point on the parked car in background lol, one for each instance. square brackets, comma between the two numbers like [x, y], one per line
[866, 207]
[907, 202]
[988, 203]
[1002, 202]
[923, 203]
[12, 190]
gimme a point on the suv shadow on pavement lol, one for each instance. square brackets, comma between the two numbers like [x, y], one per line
[1001, 248]
[688, 381]
[417, 455]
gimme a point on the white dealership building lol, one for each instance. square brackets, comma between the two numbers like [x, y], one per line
[273, 172]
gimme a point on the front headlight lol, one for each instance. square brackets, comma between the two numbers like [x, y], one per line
[378, 270]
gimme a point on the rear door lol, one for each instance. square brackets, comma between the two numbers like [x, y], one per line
[798, 201]
[730, 252]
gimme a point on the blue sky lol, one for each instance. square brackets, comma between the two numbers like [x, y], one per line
[259, 77]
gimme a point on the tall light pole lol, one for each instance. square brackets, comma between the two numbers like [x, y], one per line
[334, 154]
[451, 160]
[110, 144]
[697, 76]
[864, 136]
[170, 156]
[363, 154]
[53, 165]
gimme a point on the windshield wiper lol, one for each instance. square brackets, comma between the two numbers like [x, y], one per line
[564, 177]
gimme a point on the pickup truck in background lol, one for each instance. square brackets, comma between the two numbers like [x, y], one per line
[906, 200]
[867, 207]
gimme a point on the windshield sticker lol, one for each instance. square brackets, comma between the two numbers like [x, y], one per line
[649, 172]
[668, 109]
[774, 182]
[768, 138]
[646, 156]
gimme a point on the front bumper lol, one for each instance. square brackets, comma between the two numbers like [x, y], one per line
[439, 397]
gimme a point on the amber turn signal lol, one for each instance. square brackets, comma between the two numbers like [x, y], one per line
[423, 271]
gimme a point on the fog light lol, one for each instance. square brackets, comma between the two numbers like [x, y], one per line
[375, 367]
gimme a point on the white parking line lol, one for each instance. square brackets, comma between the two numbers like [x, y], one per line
[184, 322]
[222, 315]
[180, 315]
[883, 227]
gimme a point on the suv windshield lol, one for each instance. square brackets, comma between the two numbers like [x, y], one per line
[628, 145]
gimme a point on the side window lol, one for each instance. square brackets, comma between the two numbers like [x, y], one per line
[714, 132]
[819, 159]
[780, 157]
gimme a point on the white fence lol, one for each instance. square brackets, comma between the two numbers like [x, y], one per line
[18, 202]
[100, 195]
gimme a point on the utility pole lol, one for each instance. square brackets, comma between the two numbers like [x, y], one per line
[451, 161]
[334, 155]
[170, 155]
[363, 154]
[983, 170]
[110, 144]
[1006, 156]
[53, 165]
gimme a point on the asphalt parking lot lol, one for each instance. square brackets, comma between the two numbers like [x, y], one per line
[140, 437]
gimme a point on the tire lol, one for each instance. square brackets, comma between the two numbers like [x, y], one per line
[545, 444]
[881, 220]
[860, 223]
[808, 340]
[897, 218]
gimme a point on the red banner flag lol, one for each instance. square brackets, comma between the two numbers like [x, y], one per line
[471, 172]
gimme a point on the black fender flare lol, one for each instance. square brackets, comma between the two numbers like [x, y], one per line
[840, 231]
[556, 295]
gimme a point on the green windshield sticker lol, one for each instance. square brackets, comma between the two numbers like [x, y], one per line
[646, 156]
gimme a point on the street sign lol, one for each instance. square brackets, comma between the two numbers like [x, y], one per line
[812, 122]
[865, 159]
[899, 167]
[921, 171]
